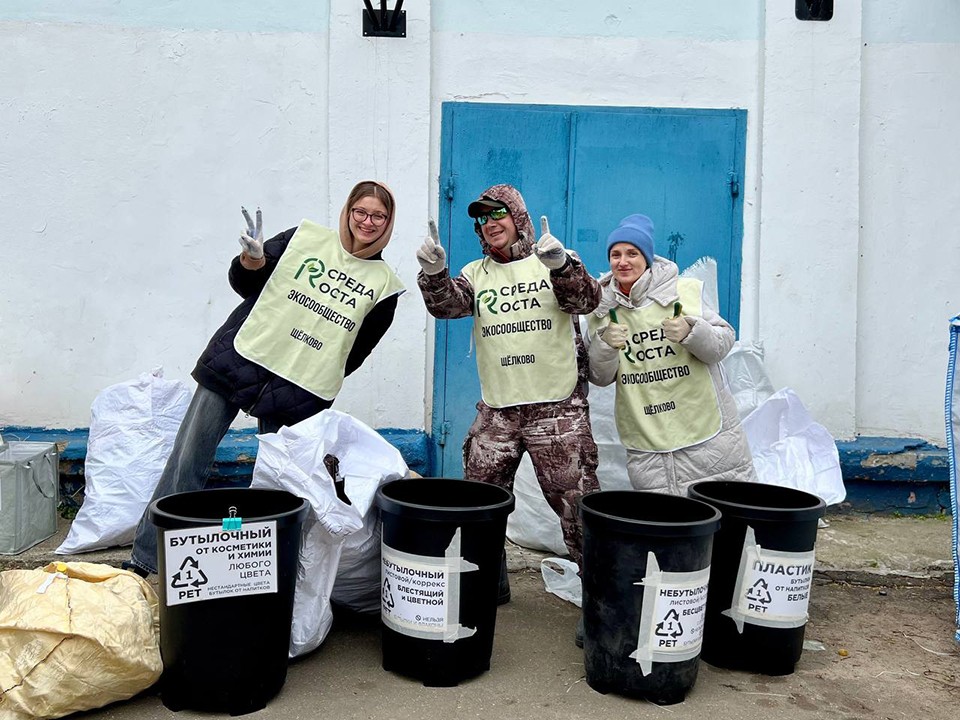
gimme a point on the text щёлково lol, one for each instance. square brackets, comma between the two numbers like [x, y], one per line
[308, 340]
[508, 360]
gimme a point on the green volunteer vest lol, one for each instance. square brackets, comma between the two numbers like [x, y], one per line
[665, 396]
[525, 345]
[305, 321]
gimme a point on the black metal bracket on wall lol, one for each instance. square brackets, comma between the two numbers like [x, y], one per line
[814, 10]
[383, 22]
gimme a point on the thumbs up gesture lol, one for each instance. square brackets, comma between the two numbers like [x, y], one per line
[431, 255]
[548, 248]
[614, 335]
[675, 329]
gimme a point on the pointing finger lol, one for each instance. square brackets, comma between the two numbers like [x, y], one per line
[544, 225]
[432, 229]
[259, 232]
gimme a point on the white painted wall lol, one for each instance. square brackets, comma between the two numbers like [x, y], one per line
[127, 153]
[133, 132]
[130, 144]
[810, 208]
[379, 110]
[910, 242]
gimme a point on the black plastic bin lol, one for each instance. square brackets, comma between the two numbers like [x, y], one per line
[757, 606]
[226, 596]
[646, 567]
[442, 545]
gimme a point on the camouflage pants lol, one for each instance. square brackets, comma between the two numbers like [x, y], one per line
[560, 442]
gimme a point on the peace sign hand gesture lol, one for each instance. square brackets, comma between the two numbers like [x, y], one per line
[548, 248]
[252, 240]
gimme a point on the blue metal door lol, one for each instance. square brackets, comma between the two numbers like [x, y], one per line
[585, 168]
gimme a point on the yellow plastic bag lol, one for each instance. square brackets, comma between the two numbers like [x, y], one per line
[75, 636]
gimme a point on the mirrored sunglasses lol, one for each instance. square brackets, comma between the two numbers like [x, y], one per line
[498, 214]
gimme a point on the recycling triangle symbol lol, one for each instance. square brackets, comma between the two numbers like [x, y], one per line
[760, 592]
[670, 626]
[189, 575]
[386, 595]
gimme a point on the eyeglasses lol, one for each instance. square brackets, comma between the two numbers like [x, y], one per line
[360, 215]
[498, 214]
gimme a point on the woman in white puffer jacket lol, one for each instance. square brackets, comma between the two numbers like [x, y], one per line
[655, 337]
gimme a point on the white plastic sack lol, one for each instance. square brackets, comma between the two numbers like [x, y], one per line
[705, 270]
[533, 524]
[132, 428]
[747, 378]
[560, 578]
[792, 450]
[340, 546]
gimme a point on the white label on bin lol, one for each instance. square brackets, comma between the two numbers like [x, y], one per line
[205, 563]
[772, 588]
[420, 594]
[672, 615]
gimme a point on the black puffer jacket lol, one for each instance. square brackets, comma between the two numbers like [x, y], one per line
[252, 387]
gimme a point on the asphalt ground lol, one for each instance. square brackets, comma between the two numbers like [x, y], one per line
[879, 644]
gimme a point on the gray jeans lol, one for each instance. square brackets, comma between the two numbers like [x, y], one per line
[205, 423]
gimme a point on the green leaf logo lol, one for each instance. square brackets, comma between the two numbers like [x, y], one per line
[314, 268]
[488, 298]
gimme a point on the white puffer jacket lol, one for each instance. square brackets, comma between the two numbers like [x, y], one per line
[726, 456]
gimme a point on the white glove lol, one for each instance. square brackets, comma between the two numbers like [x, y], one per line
[676, 328]
[614, 335]
[548, 248]
[252, 240]
[431, 255]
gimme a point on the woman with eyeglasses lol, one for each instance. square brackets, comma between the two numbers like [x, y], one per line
[524, 299]
[315, 303]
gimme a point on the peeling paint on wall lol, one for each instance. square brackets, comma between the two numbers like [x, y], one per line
[907, 460]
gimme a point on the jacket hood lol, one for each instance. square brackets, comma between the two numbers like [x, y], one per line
[658, 284]
[511, 197]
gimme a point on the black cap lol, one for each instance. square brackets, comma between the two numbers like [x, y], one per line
[483, 206]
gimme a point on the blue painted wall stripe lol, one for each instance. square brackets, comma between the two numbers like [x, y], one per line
[256, 16]
[881, 459]
[881, 474]
[238, 447]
